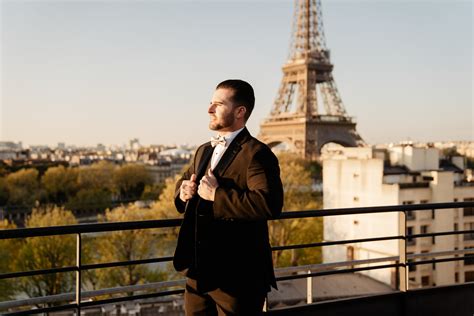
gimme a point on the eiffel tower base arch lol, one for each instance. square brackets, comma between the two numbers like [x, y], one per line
[306, 137]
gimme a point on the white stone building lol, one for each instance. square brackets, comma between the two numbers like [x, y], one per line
[357, 177]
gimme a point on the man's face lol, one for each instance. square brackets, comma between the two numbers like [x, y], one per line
[222, 111]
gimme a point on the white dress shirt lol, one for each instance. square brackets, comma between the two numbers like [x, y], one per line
[219, 150]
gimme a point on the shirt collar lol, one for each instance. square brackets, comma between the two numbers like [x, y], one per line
[230, 137]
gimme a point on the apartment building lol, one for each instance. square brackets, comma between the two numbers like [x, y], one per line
[357, 177]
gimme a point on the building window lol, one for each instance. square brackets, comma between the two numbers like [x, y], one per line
[423, 201]
[469, 211]
[411, 215]
[410, 267]
[456, 228]
[424, 229]
[469, 276]
[456, 277]
[425, 281]
[433, 214]
[468, 258]
[410, 231]
[469, 236]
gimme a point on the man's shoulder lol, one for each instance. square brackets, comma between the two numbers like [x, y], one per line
[256, 145]
[201, 147]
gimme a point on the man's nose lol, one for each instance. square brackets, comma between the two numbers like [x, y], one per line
[211, 109]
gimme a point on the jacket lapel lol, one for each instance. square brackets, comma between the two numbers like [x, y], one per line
[204, 161]
[231, 152]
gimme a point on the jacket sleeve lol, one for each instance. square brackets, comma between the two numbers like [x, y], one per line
[262, 199]
[180, 205]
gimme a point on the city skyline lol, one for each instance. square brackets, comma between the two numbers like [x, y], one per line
[85, 73]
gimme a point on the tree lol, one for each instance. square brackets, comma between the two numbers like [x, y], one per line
[3, 191]
[90, 200]
[23, 187]
[97, 176]
[125, 246]
[297, 181]
[47, 253]
[152, 191]
[130, 181]
[60, 183]
[95, 188]
[8, 251]
[164, 208]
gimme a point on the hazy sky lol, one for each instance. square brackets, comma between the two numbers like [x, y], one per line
[88, 72]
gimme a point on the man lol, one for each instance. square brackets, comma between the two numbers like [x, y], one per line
[230, 190]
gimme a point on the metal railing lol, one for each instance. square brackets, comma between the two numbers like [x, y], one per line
[401, 262]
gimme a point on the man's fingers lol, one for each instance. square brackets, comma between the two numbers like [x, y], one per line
[204, 181]
[209, 172]
[193, 178]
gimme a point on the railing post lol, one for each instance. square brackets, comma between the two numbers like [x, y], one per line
[78, 273]
[402, 250]
[309, 289]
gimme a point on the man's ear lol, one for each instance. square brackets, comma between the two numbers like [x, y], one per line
[241, 111]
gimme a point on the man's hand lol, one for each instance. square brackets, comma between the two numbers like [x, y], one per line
[188, 188]
[208, 185]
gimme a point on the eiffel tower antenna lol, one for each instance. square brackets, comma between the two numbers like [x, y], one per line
[308, 87]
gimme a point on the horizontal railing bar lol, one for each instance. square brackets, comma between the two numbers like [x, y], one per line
[84, 267]
[87, 228]
[315, 274]
[162, 223]
[36, 272]
[89, 294]
[134, 288]
[457, 232]
[43, 310]
[415, 263]
[375, 209]
[124, 263]
[440, 253]
[331, 243]
[324, 266]
[131, 298]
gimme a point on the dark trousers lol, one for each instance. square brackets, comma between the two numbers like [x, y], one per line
[218, 302]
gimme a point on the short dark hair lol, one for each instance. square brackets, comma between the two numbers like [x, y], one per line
[243, 94]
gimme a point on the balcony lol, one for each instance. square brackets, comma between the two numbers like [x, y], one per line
[165, 297]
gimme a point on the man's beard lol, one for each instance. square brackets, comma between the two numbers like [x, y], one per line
[227, 121]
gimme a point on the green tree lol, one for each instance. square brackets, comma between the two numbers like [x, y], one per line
[8, 251]
[297, 180]
[95, 188]
[23, 187]
[47, 253]
[152, 191]
[125, 246]
[164, 208]
[130, 181]
[97, 176]
[60, 183]
[90, 200]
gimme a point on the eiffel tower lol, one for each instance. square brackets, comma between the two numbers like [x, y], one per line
[307, 87]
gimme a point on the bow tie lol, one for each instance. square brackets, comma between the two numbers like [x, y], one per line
[219, 140]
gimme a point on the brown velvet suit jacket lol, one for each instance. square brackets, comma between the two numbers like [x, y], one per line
[224, 244]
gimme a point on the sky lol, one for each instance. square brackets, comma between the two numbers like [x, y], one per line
[89, 72]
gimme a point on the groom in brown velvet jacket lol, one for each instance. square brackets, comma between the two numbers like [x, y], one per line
[230, 190]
